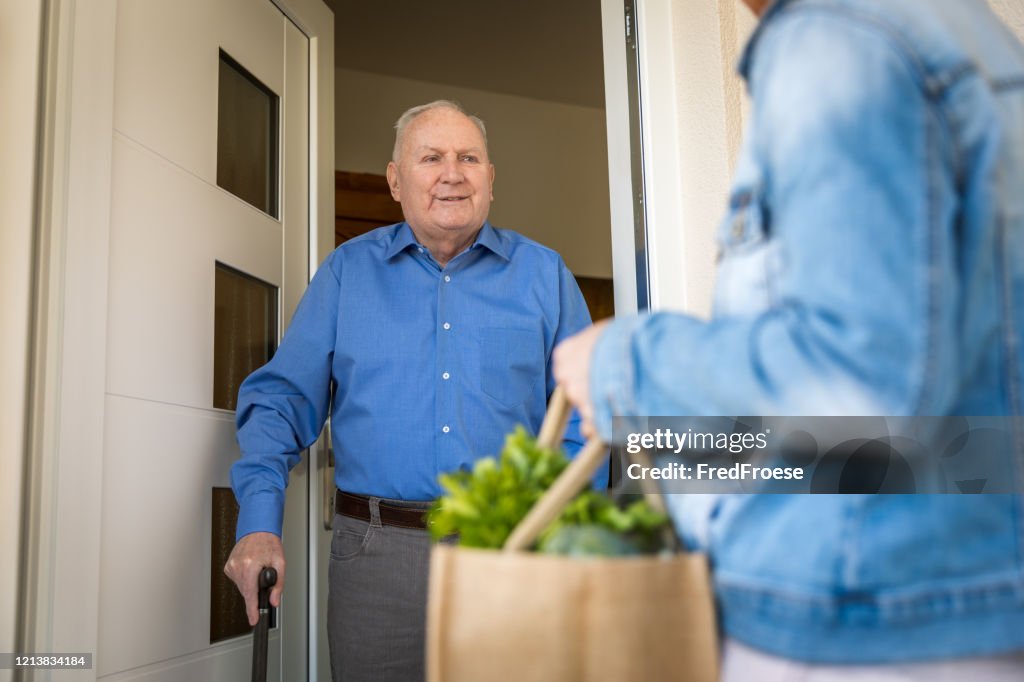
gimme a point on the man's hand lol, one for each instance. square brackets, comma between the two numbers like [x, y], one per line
[250, 555]
[572, 370]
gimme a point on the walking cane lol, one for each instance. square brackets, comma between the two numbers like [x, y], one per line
[267, 579]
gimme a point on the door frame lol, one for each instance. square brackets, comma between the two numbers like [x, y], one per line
[20, 80]
[60, 554]
[674, 113]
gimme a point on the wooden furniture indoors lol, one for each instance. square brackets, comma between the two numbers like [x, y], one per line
[362, 202]
[599, 295]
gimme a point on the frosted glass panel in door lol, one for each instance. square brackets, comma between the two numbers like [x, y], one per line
[247, 121]
[244, 331]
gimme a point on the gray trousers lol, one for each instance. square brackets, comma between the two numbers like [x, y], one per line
[377, 599]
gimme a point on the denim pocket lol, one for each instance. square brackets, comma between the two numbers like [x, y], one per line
[511, 362]
[351, 536]
[746, 225]
[747, 257]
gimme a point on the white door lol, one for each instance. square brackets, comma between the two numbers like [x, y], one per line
[209, 254]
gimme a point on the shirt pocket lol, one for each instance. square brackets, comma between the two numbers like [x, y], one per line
[511, 363]
[748, 257]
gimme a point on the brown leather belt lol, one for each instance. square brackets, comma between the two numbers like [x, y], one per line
[358, 507]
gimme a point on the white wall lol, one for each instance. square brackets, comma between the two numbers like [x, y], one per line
[20, 32]
[1012, 12]
[552, 170]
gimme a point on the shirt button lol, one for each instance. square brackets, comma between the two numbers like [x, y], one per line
[447, 278]
[445, 376]
[447, 326]
[445, 428]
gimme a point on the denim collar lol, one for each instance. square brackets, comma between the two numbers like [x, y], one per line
[774, 8]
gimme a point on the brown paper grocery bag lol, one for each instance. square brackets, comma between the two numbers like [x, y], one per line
[515, 615]
[495, 616]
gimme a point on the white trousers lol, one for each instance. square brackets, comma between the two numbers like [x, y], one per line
[741, 663]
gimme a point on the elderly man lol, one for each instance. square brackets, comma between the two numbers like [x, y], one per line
[425, 342]
[870, 264]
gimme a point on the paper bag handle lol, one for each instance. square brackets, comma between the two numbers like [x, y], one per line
[556, 419]
[567, 485]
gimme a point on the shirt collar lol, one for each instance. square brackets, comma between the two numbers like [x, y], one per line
[403, 239]
[745, 61]
[488, 238]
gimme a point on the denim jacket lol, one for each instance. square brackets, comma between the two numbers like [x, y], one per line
[872, 262]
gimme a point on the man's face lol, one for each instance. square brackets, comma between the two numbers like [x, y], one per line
[443, 177]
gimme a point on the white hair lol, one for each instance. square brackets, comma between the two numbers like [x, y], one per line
[411, 114]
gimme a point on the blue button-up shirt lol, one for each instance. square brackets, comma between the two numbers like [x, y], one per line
[424, 369]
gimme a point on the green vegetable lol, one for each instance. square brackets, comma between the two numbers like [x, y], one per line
[587, 540]
[484, 505]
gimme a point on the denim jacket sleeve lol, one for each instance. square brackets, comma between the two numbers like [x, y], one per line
[842, 190]
[283, 406]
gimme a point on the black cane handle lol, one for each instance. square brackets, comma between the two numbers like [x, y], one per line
[267, 579]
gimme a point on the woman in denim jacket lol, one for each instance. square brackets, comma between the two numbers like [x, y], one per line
[872, 263]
